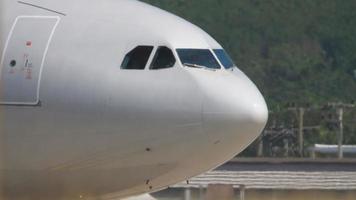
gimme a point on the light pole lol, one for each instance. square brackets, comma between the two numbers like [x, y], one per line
[301, 132]
[340, 112]
[300, 111]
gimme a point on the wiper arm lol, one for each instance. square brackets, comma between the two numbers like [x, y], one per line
[198, 66]
[193, 65]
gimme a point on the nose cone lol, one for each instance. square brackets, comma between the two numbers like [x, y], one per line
[256, 111]
[234, 111]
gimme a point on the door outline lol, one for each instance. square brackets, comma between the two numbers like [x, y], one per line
[37, 101]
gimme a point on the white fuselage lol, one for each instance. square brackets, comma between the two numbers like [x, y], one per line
[73, 124]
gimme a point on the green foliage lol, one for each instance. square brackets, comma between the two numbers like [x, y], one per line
[295, 51]
[301, 51]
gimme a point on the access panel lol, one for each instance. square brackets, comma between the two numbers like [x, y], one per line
[23, 59]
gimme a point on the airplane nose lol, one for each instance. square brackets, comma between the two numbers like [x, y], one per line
[256, 112]
[234, 110]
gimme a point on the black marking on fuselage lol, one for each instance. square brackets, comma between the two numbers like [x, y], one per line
[40, 7]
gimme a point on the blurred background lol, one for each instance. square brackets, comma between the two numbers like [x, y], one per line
[302, 56]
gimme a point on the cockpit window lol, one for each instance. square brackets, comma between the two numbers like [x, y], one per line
[224, 58]
[198, 58]
[163, 59]
[137, 58]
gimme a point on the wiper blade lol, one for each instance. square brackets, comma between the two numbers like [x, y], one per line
[198, 66]
[193, 65]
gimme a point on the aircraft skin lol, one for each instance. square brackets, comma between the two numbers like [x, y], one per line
[74, 125]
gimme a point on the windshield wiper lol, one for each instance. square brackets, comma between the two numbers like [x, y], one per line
[197, 66]
[193, 65]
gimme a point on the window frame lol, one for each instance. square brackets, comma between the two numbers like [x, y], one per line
[152, 50]
[220, 67]
[155, 56]
[227, 57]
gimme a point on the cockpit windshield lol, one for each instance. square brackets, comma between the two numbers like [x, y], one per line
[200, 58]
[224, 58]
